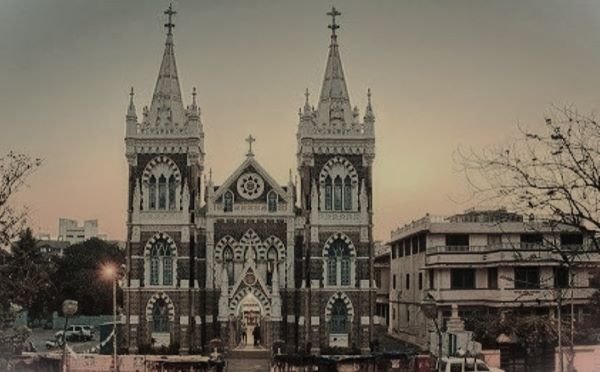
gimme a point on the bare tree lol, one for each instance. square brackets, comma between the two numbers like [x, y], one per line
[552, 172]
[14, 170]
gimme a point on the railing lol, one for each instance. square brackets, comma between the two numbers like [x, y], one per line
[579, 248]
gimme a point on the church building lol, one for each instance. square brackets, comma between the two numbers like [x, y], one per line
[213, 259]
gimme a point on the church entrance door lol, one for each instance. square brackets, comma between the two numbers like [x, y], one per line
[249, 316]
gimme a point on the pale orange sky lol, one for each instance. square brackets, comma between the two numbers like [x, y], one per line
[443, 74]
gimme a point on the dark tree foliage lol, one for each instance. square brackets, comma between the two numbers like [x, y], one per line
[27, 276]
[79, 276]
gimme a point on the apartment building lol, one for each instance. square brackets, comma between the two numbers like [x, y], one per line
[483, 261]
[381, 268]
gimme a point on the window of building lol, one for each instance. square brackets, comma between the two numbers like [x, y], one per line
[172, 192]
[394, 281]
[457, 242]
[492, 277]
[431, 277]
[532, 240]
[152, 192]
[339, 316]
[328, 194]
[414, 242]
[228, 201]
[394, 251]
[337, 194]
[527, 277]
[160, 316]
[162, 192]
[561, 277]
[161, 264]
[422, 243]
[272, 201]
[407, 281]
[339, 264]
[347, 194]
[420, 281]
[462, 279]
[407, 313]
[228, 259]
[571, 240]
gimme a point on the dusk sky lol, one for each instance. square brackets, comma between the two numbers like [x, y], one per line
[443, 74]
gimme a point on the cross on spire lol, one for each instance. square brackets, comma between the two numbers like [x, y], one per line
[170, 25]
[250, 140]
[333, 26]
[306, 94]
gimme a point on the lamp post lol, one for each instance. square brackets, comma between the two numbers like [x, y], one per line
[111, 272]
[69, 308]
[429, 309]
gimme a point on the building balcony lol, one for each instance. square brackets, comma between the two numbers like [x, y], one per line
[510, 296]
[511, 253]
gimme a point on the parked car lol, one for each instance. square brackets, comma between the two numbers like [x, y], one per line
[469, 364]
[90, 328]
[75, 333]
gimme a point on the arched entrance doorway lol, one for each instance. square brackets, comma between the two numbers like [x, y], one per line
[250, 315]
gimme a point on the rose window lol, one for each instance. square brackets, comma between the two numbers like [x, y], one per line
[250, 186]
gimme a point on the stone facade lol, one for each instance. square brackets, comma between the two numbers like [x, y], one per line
[295, 258]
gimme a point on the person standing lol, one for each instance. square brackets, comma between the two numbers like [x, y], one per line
[244, 334]
[256, 334]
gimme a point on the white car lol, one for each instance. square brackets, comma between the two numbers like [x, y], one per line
[75, 333]
[458, 364]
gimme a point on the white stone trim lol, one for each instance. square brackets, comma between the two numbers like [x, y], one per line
[347, 301]
[152, 301]
[315, 321]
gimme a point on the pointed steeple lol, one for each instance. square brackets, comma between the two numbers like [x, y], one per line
[131, 117]
[167, 107]
[369, 114]
[334, 104]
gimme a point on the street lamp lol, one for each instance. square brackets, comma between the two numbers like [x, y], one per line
[69, 308]
[111, 272]
[429, 309]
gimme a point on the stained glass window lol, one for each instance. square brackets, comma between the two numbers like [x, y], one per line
[152, 193]
[160, 316]
[347, 194]
[172, 192]
[228, 201]
[337, 194]
[339, 317]
[272, 201]
[328, 194]
[162, 192]
[228, 259]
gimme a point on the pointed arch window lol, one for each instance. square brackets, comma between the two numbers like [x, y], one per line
[162, 192]
[228, 260]
[161, 264]
[272, 201]
[339, 317]
[152, 193]
[337, 194]
[271, 262]
[328, 194]
[339, 264]
[160, 316]
[228, 201]
[172, 192]
[347, 194]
